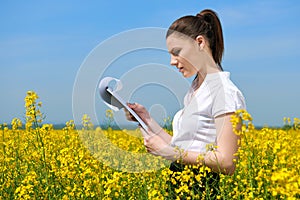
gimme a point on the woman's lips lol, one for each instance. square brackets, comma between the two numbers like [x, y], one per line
[180, 69]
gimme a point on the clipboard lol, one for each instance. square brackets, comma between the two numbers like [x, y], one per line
[114, 100]
[123, 103]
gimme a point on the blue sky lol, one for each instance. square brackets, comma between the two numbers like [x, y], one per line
[44, 43]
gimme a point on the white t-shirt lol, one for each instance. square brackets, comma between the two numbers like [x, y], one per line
[194, 125]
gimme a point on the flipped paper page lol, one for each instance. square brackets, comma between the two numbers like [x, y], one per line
[108, 99]
[113, 100]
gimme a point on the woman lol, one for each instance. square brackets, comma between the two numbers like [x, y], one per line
[196, 46]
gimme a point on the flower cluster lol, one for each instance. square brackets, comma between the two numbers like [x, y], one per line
[41, 162]
[33, 114]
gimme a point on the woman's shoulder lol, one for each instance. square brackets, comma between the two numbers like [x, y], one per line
[227, 97]
[225, 82]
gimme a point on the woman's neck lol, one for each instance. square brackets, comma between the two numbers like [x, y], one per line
[203, 73]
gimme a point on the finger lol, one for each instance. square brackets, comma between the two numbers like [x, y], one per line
[148, 149]
[146, 142]
[129, 116]
[136, 107]
[132, 105]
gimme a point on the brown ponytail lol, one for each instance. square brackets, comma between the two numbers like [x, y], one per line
[216, 41]
[205, 23]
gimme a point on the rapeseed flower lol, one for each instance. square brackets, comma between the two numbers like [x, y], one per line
[42, 162]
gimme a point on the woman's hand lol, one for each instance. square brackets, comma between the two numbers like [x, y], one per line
[157, 146]
[140, 111]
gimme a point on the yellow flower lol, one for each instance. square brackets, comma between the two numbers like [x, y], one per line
[16, 123]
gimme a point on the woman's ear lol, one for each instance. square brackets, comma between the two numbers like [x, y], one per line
[201, 41]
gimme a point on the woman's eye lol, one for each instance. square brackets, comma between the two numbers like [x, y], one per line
[176, 52]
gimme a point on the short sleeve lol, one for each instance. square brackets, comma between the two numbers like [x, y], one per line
[227, 100]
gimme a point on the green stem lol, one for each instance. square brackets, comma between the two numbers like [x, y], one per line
[3, 140]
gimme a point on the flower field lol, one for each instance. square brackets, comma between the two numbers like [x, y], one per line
[40, 162]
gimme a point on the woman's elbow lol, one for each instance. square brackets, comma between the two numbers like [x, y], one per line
[222, 163]
[227, 167]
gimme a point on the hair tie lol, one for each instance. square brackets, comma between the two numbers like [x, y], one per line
[199, 15]
[206, 18]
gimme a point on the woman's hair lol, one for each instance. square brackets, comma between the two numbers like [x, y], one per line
[205, 23]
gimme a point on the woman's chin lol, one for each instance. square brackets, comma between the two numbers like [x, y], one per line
[187, 75]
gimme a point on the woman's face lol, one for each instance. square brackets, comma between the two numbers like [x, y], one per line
[184, 54]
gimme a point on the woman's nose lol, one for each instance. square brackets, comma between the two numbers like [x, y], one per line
[173, 61]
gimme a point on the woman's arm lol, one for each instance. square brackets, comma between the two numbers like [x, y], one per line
[158, 130]
[157, 145]
[222, 158]
[219, 160]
